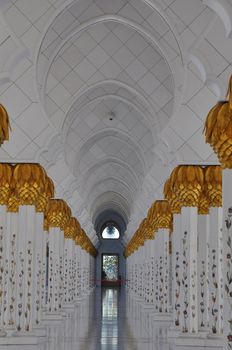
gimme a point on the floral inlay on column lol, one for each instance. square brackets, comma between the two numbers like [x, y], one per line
[228, 281]
[38, 299]
[166, 277]
[152, 279]
[12, 282]
[20, 291]
[157, 285]
[177, 290]
[193, 285]
[1, 275]
[214, 309]
[66, 274]
[202, 292]
[29, 286]
[185, 283]
[161, 285]
[221, 284]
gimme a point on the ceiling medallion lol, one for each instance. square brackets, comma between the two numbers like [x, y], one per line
[110, 118]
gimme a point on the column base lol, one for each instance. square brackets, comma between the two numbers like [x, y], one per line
[173, 332]
[52, 318]
[200, 339]
[163, 317]
[69, 307]
[78, 300]
[23, 342]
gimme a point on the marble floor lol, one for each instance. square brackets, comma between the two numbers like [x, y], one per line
[107, 320]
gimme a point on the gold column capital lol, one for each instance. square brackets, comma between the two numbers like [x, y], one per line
[203, 206]
[47, 193]
[171, 197]
[4, 125]
[218, 129]
[58, 213]
[29, 181]
[6, 173]
[213, 185]
[185, 185]
[70, 230]
[163, 217]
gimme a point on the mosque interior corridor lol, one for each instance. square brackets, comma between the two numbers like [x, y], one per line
[115, 174]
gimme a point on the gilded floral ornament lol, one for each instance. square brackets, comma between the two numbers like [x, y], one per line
[83, 240]
[145, 230]
[203, 206]
[4, 125]
[170, 195]
[71, 229]
[213, 185]
[58, 213]
[13, 203]
[188, 184]
[78, 232]
[6, 171]
[163, 215]
[29, 182]
[47, 193]
[45, 224]
[218, 129]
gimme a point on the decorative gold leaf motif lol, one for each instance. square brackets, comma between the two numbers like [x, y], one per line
[58, 213]
[4, 125]
[218, 129]
[213, 185]
[6, 171]
[47, 193]
[29, 182]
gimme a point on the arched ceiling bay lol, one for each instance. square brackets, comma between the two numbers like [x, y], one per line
[100, 80]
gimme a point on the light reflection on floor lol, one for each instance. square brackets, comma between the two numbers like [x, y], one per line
[106, 322]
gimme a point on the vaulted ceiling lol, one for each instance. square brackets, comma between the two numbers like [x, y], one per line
[110, 95]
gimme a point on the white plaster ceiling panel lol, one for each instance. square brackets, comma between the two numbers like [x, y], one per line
[109, 185]
[110, 113]
[112, 200]
[115, 148]
[110, 58]
[110, 169]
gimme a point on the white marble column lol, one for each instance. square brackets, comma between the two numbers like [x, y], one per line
[203, 272]
[176, 269]
[227, 256]
[5, 242]
[152, 271]
[55, 270]
[215, 273]
[78, 272]
[10, 264]
[188, 259]
[25, 276]
[68, 270]
[166, 266]
[156, 273]
[38, 268]
[145, 276]
[82, 269]
[45, 268]
[160, 267]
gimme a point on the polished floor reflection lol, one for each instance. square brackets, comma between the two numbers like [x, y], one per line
[107, 320]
